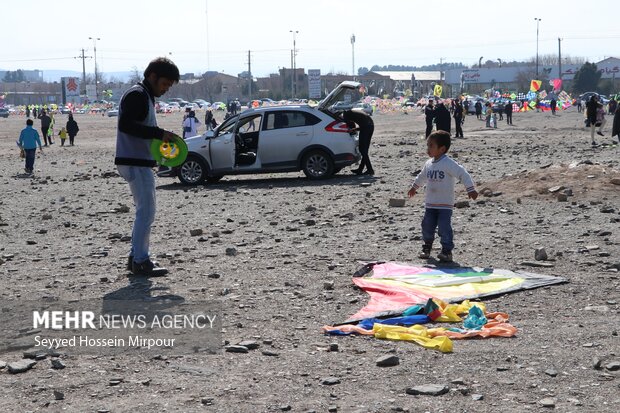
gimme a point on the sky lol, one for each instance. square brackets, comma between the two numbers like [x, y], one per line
[201, 35]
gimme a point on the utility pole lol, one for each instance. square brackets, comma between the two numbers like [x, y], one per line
[537, 23]
[560, 57]
[83, 70]
[353, 56]
[94, 39]
[249, 76]
[293, 58]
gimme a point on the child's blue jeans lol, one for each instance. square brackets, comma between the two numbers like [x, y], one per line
[441, 218]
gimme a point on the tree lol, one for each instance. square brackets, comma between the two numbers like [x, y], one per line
[135, 76]
[586, 78]
[362, 71]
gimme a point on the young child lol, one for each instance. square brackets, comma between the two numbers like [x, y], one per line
[440, 174]
[63, 136]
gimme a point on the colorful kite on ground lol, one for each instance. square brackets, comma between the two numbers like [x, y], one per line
[394, 287]
[535, 85]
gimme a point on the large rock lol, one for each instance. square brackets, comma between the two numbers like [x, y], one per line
[21, 366]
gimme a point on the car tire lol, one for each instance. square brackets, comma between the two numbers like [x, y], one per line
[193, 171]
[317, 164]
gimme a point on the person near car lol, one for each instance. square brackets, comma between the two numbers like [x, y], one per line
[458, 118]
[553, 105]
[508, 112]
[429, 115]
[27, 111]
[46, 121]
[466, 104]
[72, 129]
[359, 120]
[440, 174]
[578, 104]
[190, 125]
[442, 117]
[612, 106]
[537, 104]
[209, 119]
[137, 127]
[478, 107]
[28, 142]
[615, 128]
[594, 112]
[488, 115]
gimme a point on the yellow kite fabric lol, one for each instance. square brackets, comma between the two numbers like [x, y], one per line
[535, 85]
[438, 90]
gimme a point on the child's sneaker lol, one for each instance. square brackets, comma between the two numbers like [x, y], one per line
[444, 256]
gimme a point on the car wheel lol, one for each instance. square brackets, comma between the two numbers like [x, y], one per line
[317, 165]
[214, 179]
[193, 171]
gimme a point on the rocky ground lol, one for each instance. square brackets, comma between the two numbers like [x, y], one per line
[278, 252]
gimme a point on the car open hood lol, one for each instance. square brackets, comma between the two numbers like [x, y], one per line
[339, 94]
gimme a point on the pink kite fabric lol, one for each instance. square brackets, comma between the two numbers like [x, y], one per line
[394, 287]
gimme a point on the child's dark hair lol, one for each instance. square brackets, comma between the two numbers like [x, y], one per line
[441, 138]
[163, 67]
[29, 122]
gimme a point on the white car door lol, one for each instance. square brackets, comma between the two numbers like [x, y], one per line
[284, 134]
[222, 146]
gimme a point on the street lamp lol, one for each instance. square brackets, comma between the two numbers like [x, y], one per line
[94, 39]
[353, 56]
[480, 62]
[293, 55]
[537, 23]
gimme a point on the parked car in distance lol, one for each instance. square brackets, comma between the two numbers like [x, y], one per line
[65, 110]
[4, 113]
[271, 139]
[112, 112]
[202, 103]
[585, 97]
[218, 106]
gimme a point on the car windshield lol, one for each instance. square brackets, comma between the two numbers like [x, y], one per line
[227, 125]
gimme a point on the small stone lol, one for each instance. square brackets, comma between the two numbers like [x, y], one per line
[58, 364]
[596, 363]
[388, 361]
[328, 285]
[47, 217]
[613, 366]
[206, 401]
[397, 202]
[270, 353]
[461, 204]
[458, 381]
[562, 197]
[330, 381]
[213, 275]
[285, 407]
[231, 251]
[2, 364]
[236, 349]
[428, 390]
[58, 395]
[333, 347]
[555, 189]
[548, 402]
[540, 254]
[477, 397]
[536, 264]
[551, 372]
[310, 222]
[114, 382]
[21, 366]
[597, 308]
[615, 181]
[332, 409]
[195, 232]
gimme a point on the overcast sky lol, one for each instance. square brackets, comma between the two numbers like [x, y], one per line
[217, 34]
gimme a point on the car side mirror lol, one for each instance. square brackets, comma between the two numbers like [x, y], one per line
[209, 134]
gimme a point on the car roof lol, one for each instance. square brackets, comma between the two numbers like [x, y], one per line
[277, 108]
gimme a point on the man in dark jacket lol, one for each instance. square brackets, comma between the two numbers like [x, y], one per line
[442, 118]
[615, 129]
[137, 127]
[366, 128]
[508, 112]
[478, 107]
[458, 118]
[72, 129]
[46, 121]
[429, 113]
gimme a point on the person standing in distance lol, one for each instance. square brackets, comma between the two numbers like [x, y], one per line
[366, 127]
[137, 127]
[429, 114]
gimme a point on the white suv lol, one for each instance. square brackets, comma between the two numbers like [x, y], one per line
[276, 139]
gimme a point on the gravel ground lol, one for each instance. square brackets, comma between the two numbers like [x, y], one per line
[63, 234]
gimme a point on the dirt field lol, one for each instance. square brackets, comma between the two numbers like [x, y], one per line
[291, 237]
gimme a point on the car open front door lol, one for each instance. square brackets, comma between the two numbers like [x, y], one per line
[222, 146]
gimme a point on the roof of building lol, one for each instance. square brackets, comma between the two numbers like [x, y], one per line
[406, 75]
